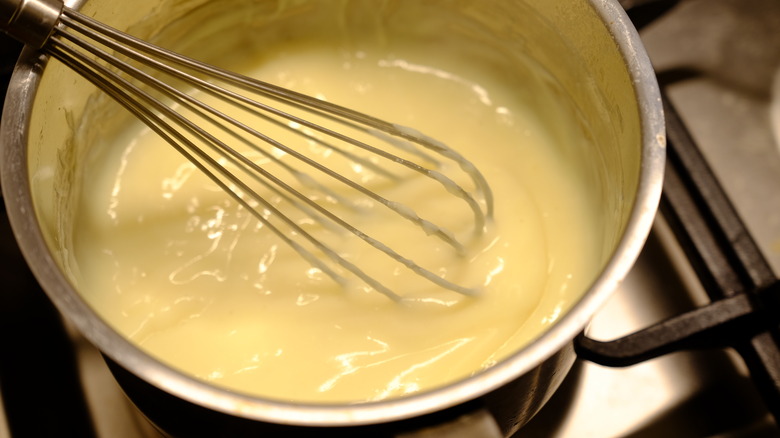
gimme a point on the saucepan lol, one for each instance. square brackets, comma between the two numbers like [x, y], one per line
[590, 56]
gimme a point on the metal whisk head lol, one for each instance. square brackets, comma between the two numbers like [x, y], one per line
[307, 169]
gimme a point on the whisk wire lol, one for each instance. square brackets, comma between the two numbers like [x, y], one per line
[188, 138]
[242, 161]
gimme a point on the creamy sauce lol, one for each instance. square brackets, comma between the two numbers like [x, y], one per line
[192, 278]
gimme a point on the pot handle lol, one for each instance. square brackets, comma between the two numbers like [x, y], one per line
[478, 423]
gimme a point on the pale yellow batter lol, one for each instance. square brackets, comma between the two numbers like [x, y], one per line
[176, 266]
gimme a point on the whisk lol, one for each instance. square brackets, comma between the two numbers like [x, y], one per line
[165, 91]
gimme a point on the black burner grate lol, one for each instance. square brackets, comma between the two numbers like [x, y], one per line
[743, 289]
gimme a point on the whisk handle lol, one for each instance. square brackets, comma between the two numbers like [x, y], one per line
[30, 21]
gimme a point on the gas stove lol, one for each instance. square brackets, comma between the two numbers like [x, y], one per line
[718, 62]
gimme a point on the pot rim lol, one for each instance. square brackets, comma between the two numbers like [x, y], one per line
[19, 207]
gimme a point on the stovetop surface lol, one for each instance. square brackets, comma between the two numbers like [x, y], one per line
[720, 61]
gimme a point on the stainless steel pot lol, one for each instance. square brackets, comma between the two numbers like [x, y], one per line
[590, 55]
